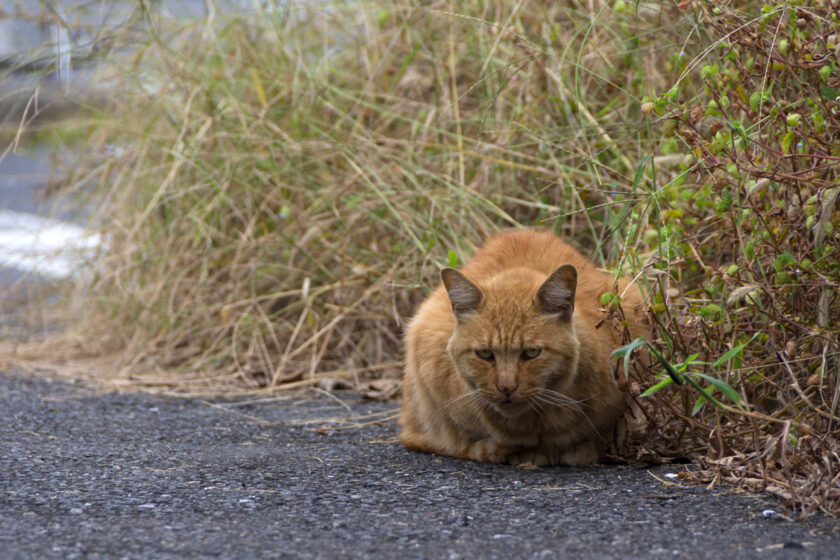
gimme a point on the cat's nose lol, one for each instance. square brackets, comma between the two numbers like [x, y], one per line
[507, 387]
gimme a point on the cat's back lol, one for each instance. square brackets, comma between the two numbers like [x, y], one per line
[538, 250]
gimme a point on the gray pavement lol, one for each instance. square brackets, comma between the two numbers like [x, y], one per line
[92, 475]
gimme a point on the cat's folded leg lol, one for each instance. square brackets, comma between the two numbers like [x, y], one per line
[579, 454]
[487, 450]
[417, 441]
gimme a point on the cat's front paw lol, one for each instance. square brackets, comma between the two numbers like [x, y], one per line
[488, 451]
[532, 457]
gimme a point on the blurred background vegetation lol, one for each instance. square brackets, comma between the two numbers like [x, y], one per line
[279, 184]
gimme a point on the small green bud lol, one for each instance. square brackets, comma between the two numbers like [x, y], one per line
[787, 141]
[661, 103]
[608, 298]
[749, 250]
[825, 73]
[783, 46]
[755, 101]
[710, 310]
[732, 169]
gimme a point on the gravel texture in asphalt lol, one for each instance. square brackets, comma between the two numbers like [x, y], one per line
[85, 474]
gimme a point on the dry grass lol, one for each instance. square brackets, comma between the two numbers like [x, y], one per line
[278, 193]
[279, 189]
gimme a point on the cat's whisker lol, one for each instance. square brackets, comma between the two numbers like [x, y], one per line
[555, 400]
[468, 395]
[556, 404]
[576, 406]
[536, 406]
[591, 425]
[562, 399]
[563, 395]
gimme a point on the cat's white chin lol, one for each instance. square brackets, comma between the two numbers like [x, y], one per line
[511, 407]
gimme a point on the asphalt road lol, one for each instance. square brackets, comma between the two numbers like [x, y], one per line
[86, 474]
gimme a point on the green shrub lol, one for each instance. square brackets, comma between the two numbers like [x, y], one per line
[747, 249]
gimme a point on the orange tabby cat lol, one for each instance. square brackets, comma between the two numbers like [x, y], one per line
[504, 362]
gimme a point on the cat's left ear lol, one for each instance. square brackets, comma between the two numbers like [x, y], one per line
[464, 296]
[557, 294]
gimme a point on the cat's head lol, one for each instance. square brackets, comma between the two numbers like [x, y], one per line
[514, 341]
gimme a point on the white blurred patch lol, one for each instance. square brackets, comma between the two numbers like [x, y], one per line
[48, 247]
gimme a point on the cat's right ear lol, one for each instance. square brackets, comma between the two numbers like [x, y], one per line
[464, 296]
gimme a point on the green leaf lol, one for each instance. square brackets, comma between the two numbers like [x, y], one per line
[755, 101]
[705, 393]
[783, 260]
[738, 128]
[627, 350]
[787, 141]
[732, 352]
[607, 298]
[658, 387]
[722, 386]
[666, 364]
[453, 259]
[710, 310]
[793, 119]
[640, 171]
[698, 404]
[783, 278]
[690, 360]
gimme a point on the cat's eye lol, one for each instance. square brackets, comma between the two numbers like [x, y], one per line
[531, 353]
[485, 355]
